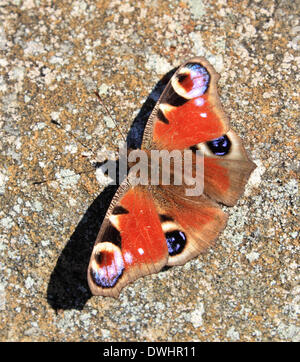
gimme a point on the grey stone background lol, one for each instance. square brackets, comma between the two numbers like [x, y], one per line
[53, 55]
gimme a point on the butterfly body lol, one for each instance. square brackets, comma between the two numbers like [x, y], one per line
[151, 225]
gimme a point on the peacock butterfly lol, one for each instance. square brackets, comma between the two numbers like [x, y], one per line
[151, 226]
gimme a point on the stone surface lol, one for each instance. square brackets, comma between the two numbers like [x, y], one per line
[53, 55]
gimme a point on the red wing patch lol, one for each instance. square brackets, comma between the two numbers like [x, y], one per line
[216, 175]
[189, 110]
[142, 250]
[143, 240]
[189, 124]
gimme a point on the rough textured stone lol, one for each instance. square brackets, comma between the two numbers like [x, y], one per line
[53, 55]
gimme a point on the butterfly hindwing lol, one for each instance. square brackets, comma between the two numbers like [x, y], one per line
[190, 224]
[227, 168]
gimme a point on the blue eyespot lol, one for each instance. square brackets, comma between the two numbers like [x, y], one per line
[198, 77]
[176, 241]
[220, 146]
[107, 267]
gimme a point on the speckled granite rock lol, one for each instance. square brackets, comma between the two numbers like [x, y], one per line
[52, 59]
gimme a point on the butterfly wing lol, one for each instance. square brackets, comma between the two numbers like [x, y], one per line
[190, 224]
[227, 168]
[146, 228]
[189, 110]
[189, 115]
[130, 244]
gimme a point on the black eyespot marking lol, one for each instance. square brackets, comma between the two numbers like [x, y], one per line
[164, 218]
[176, 241]
[220, 146]
[194, 148]
[173, 98]
[162, 117]
[99, 258]
[112, 235]
[181, 77]
[119, 210]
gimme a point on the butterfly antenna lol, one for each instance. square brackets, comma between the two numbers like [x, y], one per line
[70, 133]
[109, 114]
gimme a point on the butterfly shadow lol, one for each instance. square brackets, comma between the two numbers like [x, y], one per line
[68, 287]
